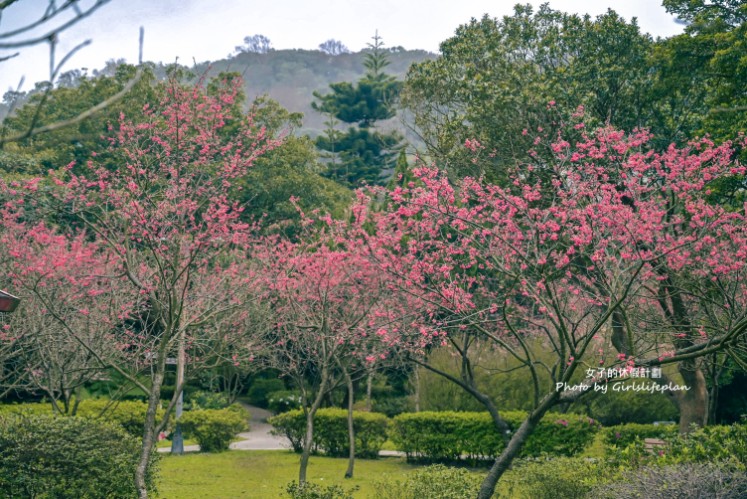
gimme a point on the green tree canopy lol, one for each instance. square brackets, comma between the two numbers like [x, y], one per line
[502, 81]
[359, 155]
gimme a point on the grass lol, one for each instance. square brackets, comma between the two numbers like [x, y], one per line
[162, 444]
[264, 474]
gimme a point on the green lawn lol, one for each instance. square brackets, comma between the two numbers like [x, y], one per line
[264, 474]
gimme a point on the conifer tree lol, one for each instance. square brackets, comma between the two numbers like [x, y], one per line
[361, 155]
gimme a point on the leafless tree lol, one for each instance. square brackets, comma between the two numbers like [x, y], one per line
[53, 20]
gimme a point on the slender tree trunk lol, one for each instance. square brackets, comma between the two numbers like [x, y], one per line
[502, 462]
[369, 387]
[417, 388]
[307, 441]
[76, 403]
[351, 429]
[309, 436]
[149, 430]
[715, 377]
[177, 443]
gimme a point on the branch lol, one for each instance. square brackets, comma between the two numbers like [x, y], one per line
[77, 119]
[45, 37]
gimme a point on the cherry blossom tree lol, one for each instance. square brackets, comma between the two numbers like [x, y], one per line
[333, 306]
[563, 258]
[173, 244]
[58, 277]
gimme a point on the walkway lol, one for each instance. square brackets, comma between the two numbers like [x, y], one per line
[257, 438]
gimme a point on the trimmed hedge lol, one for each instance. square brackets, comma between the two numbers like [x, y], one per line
[331, 431]
[214, 428]
[43, 456]
[451, 436]
[129, 414]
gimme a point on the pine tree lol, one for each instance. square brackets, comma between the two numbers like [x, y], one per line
[361, 155]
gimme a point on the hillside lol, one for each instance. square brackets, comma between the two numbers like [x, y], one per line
[288, 76]
[291, 76]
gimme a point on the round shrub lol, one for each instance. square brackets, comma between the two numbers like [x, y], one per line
[214, 428]
[51, 457]
[283, 401]
[331, 431]
[313, 491]
[432, 482]
[556, 478]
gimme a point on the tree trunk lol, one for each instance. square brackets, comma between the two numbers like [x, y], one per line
[77, 402]
[306, 450]
[309, 437]
[149, 430]
[351, 429]
[417, 389]
[502, 462]
[177, 443]
[369, 387]
[693, 403]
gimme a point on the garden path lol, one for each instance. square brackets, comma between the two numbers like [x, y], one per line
[257, 438]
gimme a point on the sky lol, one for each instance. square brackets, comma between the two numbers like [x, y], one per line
[201, 30]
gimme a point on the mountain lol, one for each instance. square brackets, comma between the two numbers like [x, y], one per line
[292, 76]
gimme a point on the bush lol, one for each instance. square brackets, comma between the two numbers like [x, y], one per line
[625, 445]
[130, 414]
[555, 478]
[67, 457]
[432, 482]
[331, 431]
[624, 435]
[710, 444]
[284, 401]
[260, 390]
[614, 408]
[26, 409]
[313, 491]
[449, 436]
[683, 481]
[205, 400]
[214, 428]
[392, 406]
